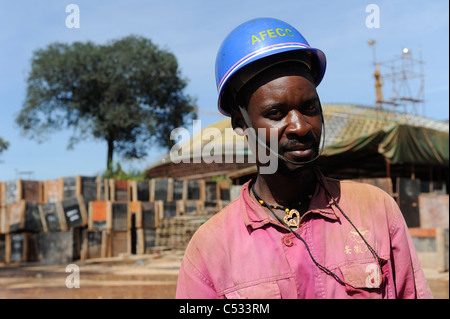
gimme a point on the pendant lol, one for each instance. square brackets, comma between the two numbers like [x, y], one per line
[292, 219]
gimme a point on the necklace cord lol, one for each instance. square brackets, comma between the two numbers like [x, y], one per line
[381, 262]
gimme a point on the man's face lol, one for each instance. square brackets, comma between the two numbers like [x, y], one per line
[287, 101]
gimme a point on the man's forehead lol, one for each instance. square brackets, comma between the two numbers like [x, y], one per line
[284, 90]
[284, 69]
[276, 72]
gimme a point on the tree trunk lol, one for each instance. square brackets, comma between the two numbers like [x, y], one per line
[109, 161]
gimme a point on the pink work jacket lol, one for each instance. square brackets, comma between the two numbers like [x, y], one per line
[241, 252]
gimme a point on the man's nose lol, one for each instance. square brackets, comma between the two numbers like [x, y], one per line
[297, 124]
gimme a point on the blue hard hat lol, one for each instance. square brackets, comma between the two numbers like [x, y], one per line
[267, 41]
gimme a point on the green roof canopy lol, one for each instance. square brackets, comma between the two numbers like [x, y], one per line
[398, 144]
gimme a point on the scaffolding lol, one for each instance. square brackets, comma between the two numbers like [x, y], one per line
[405, 77]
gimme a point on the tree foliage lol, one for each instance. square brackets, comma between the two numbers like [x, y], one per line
[3, 145]
[127, 92]
[118, 173]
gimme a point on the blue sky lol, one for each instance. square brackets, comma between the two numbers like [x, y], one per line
[193, 30]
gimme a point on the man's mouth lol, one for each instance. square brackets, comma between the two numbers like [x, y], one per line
[299, 150]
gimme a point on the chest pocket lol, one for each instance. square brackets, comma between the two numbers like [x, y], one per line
[364, 279]
[265, 290]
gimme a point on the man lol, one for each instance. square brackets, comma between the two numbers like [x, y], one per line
[293, 233]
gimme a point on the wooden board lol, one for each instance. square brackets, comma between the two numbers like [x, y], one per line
[88, 188]
[120, 243]
[179, 190]
[224, 191]
[212, 207]
[169, 209]
[187, 207]
[56, 247]
[95, 244]
[161, 189]
[24, 216]
[3, 220]
[143, 191]
[49, 218]
[408, 191]
[32, 218]
[140, 191]
[119, 190]
[53, 190]
[120, 219]
[2, 194]
[2, 248]
[74, 212]
[106, 215]
[102, 189]
[195, 190]
[211, 191]
[21, 247]
[3, 209]
[16, 190]
[149, 216]
[98, 215]
[31, 191]
[434, 210]
[69, 187]
[16, 216]
[11, 192]
[145, 240]
[181, 228]
[145, 213]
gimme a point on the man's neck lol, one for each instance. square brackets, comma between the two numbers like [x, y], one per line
[284, 190]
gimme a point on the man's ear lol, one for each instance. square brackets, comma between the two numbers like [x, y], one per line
[237, 121]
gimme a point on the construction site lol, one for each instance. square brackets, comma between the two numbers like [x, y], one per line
[89, 237]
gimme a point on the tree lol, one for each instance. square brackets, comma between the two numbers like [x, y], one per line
[3, 145]
[119, 173]
[127, 92]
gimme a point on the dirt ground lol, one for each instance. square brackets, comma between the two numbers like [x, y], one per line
[152, 276]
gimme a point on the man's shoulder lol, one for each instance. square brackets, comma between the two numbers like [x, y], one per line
[358, 186]
[223, 216]
[218, 223]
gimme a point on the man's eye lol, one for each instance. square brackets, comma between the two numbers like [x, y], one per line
[274, 113]
[311, 108]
